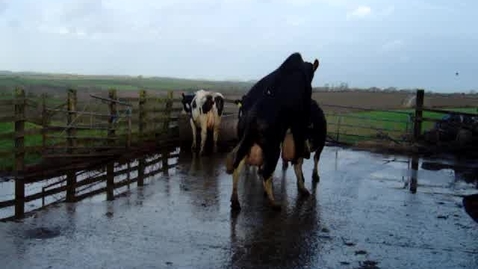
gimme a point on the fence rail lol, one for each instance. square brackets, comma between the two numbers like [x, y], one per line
[73, 188]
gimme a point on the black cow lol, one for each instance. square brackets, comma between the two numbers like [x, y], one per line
[277, 102]
[316, 133]
[316, 136]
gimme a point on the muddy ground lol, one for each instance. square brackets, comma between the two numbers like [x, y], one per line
[361, 215]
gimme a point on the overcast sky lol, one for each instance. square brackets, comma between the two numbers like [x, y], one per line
[412, 43]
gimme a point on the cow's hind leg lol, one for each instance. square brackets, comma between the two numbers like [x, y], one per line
[300, 177]
[215, 137]
[315, 172]
[193, 128]
[271, 156]
[235, 205]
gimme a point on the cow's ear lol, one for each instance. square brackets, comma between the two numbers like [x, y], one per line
[182, 94]
[316, 64]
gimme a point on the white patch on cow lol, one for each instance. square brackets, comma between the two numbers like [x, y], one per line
[205, 121]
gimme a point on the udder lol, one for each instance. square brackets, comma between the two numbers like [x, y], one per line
[288, 147]
[210, 120]
[255, 156]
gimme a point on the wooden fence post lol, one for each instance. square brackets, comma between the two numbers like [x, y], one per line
[19, 152]
[110, 180]
[71, 143]
[113, 114]
[110, 169]
[142, 118]
[71, 132]
[337, 136]
[142, 114]
[128, 142]
[165, 161]
[167, 114]
[414, 177]
[417, 126]
[44, 121]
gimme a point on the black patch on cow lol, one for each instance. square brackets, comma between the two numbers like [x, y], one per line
[219, 104]
[208, 104]
[194, 105]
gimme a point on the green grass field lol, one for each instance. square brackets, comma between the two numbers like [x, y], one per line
[58, 81]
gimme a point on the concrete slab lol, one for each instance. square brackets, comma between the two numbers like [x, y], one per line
[361, 215]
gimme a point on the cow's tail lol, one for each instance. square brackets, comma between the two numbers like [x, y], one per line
[239, 152]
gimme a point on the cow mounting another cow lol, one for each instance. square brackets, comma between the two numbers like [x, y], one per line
[276, 103]
[205, 109]
[316, 136]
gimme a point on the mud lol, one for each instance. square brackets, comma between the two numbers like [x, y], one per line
[362, 214]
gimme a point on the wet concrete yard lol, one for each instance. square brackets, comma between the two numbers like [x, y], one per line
[360, 215]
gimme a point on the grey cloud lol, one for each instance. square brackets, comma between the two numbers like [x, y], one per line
[3, 6]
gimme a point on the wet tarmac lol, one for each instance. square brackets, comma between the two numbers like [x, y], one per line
[361, 215]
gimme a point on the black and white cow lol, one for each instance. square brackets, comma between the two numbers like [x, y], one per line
[316, 136]
[277, 102]
[205, 109]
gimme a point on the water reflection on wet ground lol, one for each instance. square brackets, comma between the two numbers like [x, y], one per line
[361, 214]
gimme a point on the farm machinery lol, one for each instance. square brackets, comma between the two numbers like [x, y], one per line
[455, 129]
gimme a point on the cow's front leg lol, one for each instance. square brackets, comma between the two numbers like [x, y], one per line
[215, 137]
[193, 128]
[300, 177]
[315, 172]
[203, 136]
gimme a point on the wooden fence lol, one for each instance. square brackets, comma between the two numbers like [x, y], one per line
[75, 185]
[42, 138]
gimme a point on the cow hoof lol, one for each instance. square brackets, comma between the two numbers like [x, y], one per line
[235, 206]
[315, 177]
[304, 193]
[285, 165]
[276, 206]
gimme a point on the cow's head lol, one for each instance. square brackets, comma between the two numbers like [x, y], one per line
[219, 101]
[186, 101]
[311, 68]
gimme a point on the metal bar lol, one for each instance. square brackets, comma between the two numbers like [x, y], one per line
[364, 109]
[363, 117]
[110, 100]
[449, 112]
[79, 112]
